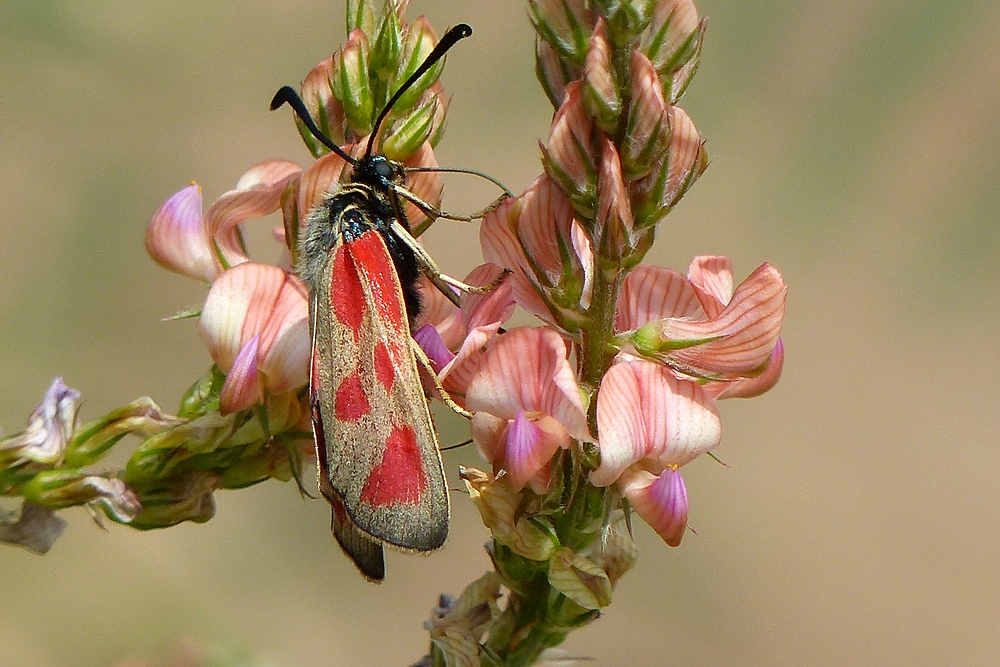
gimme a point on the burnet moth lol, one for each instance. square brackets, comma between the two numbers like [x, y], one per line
[377, 454]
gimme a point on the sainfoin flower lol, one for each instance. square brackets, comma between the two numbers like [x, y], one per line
[255, 324]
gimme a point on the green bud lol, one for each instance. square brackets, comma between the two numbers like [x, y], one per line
[418, 43]
[56, 489]
[141, 417]
[411, 132]
[360, 16]
[565, 25]
[352, 85]
[187, 498]
[386, 48]
[203, 396]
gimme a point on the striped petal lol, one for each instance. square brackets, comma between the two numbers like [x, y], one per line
[742, 337]
[646, 414]
[752, 386]
[653, 293]
[529, 448]
[712, 279]
[661, 501]
[526, 370]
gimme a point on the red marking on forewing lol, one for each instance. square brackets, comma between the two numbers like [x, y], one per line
[385, 369]
[400, 476]
[346, 292]
[351, 403]
[372, 258]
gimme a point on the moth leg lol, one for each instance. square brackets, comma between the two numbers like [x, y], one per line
[434, 213]
[442, 280]
[422, 359]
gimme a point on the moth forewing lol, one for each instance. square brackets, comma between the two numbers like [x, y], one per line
[381, 454]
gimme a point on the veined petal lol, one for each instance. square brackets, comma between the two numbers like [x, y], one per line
[661, 501]
[176, 238]
[712, 279]
[653, 293]
[242, 387]
[743, 336]
[438, 311]
[322, 176]
[526, 370]
[568, 155]
[285, 346]
[752, 386]
[501, 246]
[493, 307]
[268, 174]
[258, 193]
[645, 413]
[487, 431]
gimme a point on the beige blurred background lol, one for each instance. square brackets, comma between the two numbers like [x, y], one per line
[855, 145]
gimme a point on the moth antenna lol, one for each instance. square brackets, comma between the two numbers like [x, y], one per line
[287, 95]
[461, 31]
[456, 446]
[462, 170]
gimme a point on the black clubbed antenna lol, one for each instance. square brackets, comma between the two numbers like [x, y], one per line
[461, 31]
[287, 95]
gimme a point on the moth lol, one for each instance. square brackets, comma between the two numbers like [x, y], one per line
[377, 454]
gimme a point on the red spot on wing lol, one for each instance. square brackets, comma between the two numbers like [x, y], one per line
[400, 476]
[351, 403]
[346, 291]
[385, 369]
[372, 258]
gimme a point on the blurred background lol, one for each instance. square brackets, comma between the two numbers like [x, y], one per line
[855, 145]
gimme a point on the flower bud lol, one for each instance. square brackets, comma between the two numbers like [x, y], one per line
[141, 417]
[361, 16]
[600, 92]
[187, 498]
[553, 72]
[673, 43]
[420, 40]
[647, 133]
[626, 19]
[569, 156]
[614, 231]
[386, 46]
[685, 160]
[318, 96]
[352, 84]
[410, 133]
[56, 489]
[565, 24]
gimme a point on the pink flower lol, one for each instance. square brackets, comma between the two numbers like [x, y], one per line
[527, 404]
[703, 329]
[255, 324]
[181, 239]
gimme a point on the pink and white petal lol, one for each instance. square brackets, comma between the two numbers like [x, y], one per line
[584, 251]
[269, 174]
[236, 308]
[527, 451]
[321, 177]
[492, 308]
[502, 247]
[653, 293]
[487, 432]
[544, 224]
[752, 386]
[746, 331]
[527, 370]
[438, 311]
[712, 278]
[661, 501]
[242, 387]
[176, 238]
[232, 208]
[286, 347]
[645, 413]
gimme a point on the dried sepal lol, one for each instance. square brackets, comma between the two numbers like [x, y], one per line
[579, 579]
